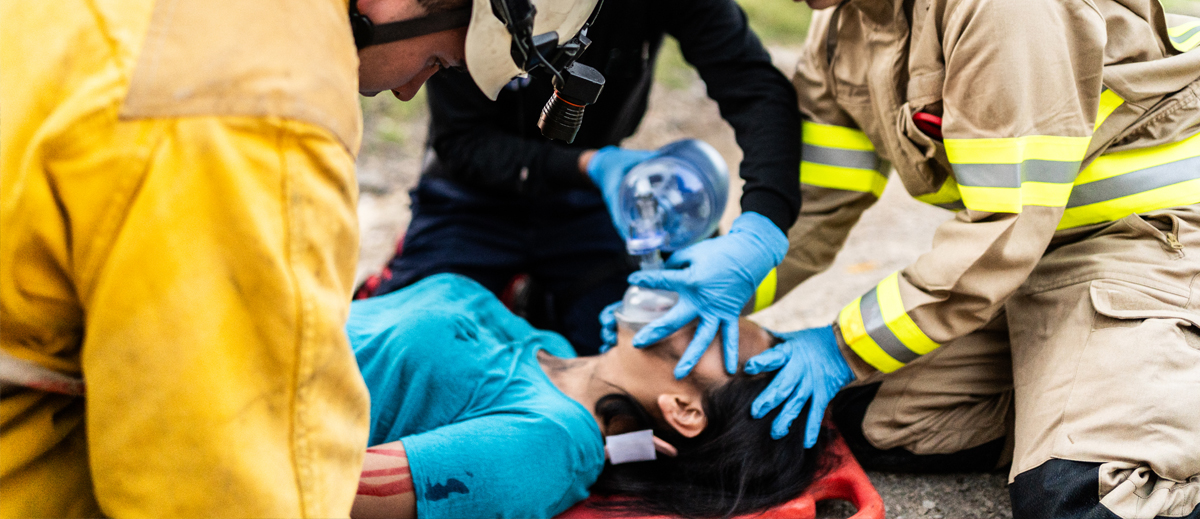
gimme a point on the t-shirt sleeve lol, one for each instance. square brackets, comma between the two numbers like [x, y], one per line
[501, 465]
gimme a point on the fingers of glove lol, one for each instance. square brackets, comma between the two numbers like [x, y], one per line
[790, 411]
[681, 259]
[608, 326]
[777, 391]
[730, 342]
[658, 329]
[705, 334]
[769, 360]
[816, 413]
[666, 279]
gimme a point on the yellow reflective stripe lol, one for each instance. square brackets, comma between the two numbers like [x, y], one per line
[1016, 150]
[897, 320]
[846, 179]
[831, 136]
[1183, 193]
[946, 194]
[1121, 162]
[854, 333]
[1180, 39]
[1011, 199]
[1109, 102]
[1180, 30]
[765, 295]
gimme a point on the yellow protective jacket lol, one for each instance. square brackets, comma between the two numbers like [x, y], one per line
[178, 229]
[1055, 115]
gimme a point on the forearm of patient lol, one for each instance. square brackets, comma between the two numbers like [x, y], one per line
[385, 488]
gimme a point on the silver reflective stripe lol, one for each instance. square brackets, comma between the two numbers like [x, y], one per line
[843, 158]
[1134, 182]
[1184, 37]
[880, 333]
[1011, 175]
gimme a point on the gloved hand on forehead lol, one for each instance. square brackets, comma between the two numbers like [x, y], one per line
[608, 167]
[811, 367]
[714, 278]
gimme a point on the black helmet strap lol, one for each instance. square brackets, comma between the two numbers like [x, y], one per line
[367, 33]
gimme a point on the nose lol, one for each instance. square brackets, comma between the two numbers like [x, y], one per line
[409, 90]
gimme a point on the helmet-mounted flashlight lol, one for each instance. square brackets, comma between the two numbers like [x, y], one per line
[575, 85]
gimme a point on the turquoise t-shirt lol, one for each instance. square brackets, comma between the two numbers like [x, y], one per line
[454, 376]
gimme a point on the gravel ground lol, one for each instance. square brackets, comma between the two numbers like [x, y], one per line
[890, 235]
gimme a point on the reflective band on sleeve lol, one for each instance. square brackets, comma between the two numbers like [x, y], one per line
[830, 136]
[946, 197]
[897, 319]
[854, 334]
[877, 328]
[1016, 150]
[835, 157]
[1122, 162]
[1135, 181]
[846, 179]
[765, 295]
[1185, 37]
[1011, 199]
[1003, 175]
[853, 159]
[1109, 102]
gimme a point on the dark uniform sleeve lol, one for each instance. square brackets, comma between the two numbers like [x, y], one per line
[476, 152]
[754, 97]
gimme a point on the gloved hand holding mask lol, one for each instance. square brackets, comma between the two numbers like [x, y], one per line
[714, 279]
[608, 167]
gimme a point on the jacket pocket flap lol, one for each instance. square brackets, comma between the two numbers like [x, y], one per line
[1125, 300]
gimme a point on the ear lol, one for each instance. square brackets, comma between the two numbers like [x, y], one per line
[684, 413]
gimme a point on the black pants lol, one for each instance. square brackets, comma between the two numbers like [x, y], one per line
[564, 241]
[1057, 489]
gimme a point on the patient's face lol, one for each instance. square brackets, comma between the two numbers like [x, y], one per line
[659, 359]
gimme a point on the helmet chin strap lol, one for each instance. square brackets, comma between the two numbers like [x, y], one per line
[367, 33]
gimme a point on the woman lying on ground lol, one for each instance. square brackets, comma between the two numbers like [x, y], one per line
[474, 413]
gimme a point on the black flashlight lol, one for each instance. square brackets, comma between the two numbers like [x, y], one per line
[579, 86]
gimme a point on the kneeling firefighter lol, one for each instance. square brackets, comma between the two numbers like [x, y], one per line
[177, 199]
[1055, 324]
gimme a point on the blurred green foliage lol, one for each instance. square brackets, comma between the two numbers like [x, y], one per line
[1188, 7]
[778, 23]
[387, 120]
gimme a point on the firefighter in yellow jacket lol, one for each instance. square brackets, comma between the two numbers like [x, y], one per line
[178, 230]
[1055, 323]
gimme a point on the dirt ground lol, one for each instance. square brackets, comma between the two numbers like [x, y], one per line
[890, 235]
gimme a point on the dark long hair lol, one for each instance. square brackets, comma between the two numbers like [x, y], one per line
[731, 468]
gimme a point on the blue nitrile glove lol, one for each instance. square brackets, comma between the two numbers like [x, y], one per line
[813, 367]
[714, 278]
[608, 326]
[608, 167]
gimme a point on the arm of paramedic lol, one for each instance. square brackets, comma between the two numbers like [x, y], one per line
[474, 147]
[840, 174]
[1017, 122]
[215, 326]
[385, 488]
[754, 97]
[500, 465]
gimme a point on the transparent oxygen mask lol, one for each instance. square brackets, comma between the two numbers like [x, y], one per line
[666, 203]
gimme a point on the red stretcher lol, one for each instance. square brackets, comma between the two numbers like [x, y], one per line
[845, 481]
